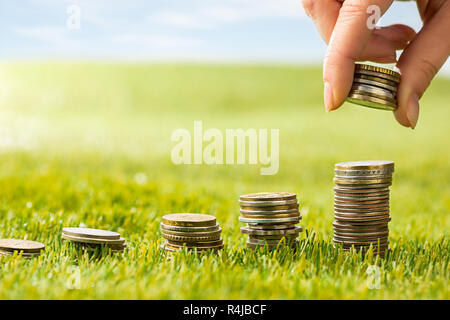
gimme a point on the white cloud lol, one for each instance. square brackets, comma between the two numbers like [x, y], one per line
[220, 12]
[57, 36]
[157, 41]
[178, 19]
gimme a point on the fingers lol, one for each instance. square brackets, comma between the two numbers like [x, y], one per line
[350, 37]
[398, 34]
[420, 62]
[324, 13]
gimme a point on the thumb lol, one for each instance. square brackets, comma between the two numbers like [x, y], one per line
[418, 65]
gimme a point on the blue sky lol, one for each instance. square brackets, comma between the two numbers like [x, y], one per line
[186, 30]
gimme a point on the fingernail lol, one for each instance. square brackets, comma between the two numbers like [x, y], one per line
[328, 97]
[412, 113]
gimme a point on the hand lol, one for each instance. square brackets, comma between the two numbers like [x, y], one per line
[343, 25]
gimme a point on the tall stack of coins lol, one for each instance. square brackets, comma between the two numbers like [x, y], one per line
[271, 218]
[194, 231]
[90, 239]
[374, 87]
[26, 248]
[361, 204]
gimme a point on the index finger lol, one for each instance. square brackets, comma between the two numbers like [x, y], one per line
[348, 40]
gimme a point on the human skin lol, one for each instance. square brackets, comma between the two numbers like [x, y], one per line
[343, 26]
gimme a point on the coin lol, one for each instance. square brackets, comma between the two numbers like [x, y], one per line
[281, 232]
[371, 102]
[173, 245]
[26, 246]
[189, 229]
[375, 91]
[293, 207]
[91, 233]
[360, 234]
[93, 240]
[271, 226]
[378, 80]
[340, 209]
[267, 203]
[189, 220]
[254, 246]
[18, 253]
[377, 71]
[190, 239]
[347, 189]
[375, 82]
[363, 173]
[268, 196]
[280, 220]
[191, 234]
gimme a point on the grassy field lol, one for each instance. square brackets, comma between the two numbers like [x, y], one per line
[89, 145]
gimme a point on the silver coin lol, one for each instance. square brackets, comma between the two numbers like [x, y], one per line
[279, 220]
[190, 229]
[364, 186]
[267, 203]
[251, 212]
[375, 83]
[375, 90]
[370, 102]
[368, 172]
[250, 231]
[269, 227]
[376, 74]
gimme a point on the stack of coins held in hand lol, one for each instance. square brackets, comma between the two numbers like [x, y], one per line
[374, 87]
[91, 239]
[361, 204]
[194, 231]
[26, 248]
[271, 217]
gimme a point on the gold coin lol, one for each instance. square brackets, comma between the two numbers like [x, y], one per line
[268, 196]
[26, 246]
[365, 165]
[388, 84]
[189, 229]
[190, 239]
[191, 234]
[203, 243]
[278, 237]
[381, 72]
[282, 232]
[189, 220]
[271, 216]
[91, 233]
[371, 102]
[92, 240]
[198, 247]
[269, 209]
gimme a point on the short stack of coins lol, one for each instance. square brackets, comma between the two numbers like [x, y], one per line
[91, 239]
[25, 248]
[271, 219]
[374, 87]
[361, 205]
[193, 231]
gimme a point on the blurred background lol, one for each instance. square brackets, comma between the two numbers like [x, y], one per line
[92, 90]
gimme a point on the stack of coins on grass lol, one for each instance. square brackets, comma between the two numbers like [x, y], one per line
[361, 205]
[271, 219]
[374, 87]
[25, 248]
[194, 231]
[92, 239]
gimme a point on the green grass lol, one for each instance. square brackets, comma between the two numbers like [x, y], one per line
[74, 136]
